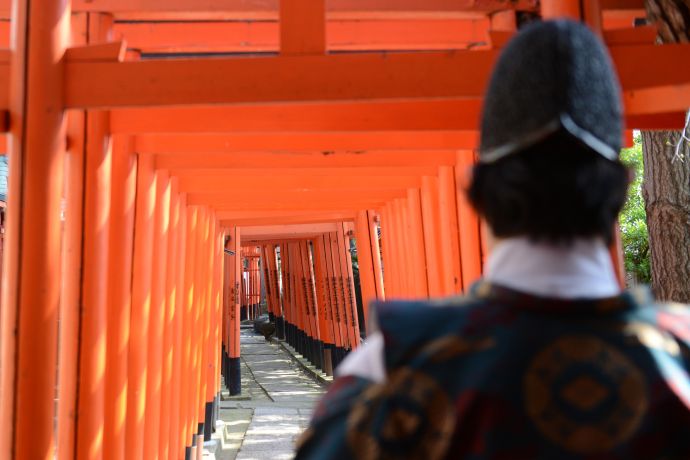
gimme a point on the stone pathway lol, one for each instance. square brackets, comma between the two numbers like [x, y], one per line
[275, 405]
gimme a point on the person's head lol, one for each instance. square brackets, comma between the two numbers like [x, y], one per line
[551, 132]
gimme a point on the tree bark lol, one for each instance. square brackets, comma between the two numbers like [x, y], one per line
[666, 187]
[666, 191]
[672, 18]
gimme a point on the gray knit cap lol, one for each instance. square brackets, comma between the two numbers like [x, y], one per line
[554, 75]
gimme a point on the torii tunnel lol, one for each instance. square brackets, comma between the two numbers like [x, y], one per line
[163, 152]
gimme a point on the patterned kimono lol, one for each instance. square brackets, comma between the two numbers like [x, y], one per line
[506, 375]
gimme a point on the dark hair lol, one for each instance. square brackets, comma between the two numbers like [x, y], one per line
[555, 191]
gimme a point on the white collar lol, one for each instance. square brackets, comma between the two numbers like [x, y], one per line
[582, 270]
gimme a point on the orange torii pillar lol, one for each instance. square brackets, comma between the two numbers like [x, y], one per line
[204, 337]
[343, 298]
[416, 242]
[256, 282]
[312, 346]
[291, 319]
[94, 302]
[196, 414]
[288, 293]
[315, 325]
[274, 274]
[432, 239]
[31, 266]
[213, 341]
[227, 310]
[333, 271]
[194, 426]
[369, 258]
[365, 254]
[272, 286]
[301, 308]
[409, 283]
[264, 270]
[192, 229]
[248, 285]
[233, 275]
[157, 316]
[468, 222]
[391, 264]
[168, 349]
[123, 197]
[177, 317]
[141, 305]
[244, 288]
[345, 232]
[324, 298]
[268, 261]
[449, 231]
[70, 293]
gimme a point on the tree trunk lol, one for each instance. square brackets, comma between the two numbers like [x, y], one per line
[672, 18]
[666, 191]
[666, 187]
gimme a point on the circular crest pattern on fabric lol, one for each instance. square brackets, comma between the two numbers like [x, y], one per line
[407, 416]
[585, 395]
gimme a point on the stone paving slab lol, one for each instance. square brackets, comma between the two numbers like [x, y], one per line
[277, 400]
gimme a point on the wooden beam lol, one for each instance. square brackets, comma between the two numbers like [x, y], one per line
[286, 231]
[365, 173]
[324, 119]
[330, 78]
[671, 98]
[656, 121]
[295, 142]
[302, 27]
[280, 161]
[364, 117]
[615, 37]
[280, 214]
[268, 9]
[621, 19]
[106, 52]
[332, 206]
[282, 220]
[241, 218]
[279, 183]
[263, 36]
[278, 239]
[671, 64]
[621, 4]
[337, 77]
[293, 198]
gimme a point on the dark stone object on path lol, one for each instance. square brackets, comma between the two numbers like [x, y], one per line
[264, 326]
[234, 376]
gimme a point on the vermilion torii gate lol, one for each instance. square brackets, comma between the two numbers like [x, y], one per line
[294, 126]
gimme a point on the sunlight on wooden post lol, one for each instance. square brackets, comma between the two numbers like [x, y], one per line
[186, 430]
[175, 445]
[157, 315]
[141, 306]
[31, 266]
[70, 294]
[123, 198]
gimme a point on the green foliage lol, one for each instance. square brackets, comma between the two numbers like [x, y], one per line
[633, 219]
